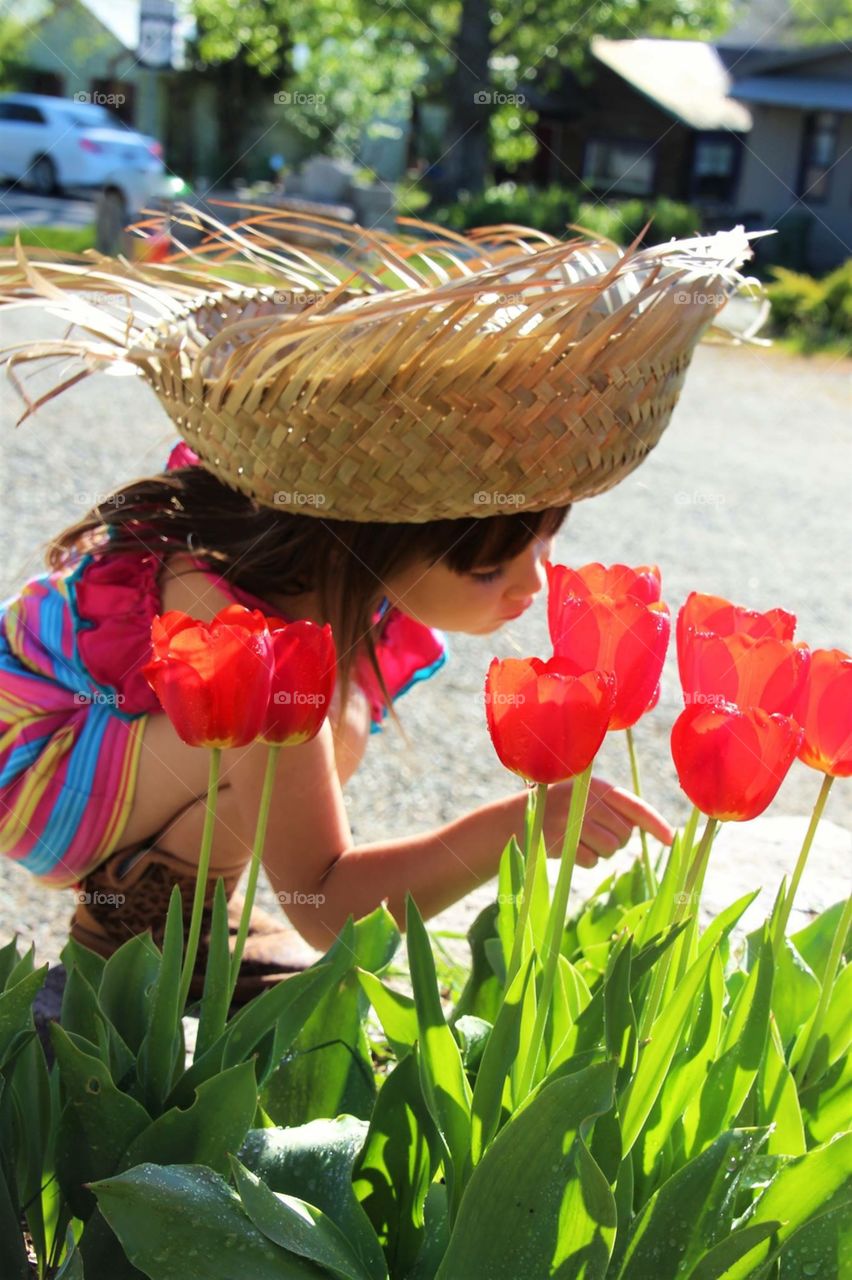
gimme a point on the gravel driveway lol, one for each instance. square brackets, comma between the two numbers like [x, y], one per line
[746, 496]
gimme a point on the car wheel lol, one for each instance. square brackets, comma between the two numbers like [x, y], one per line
[110, 222]
[42, 176]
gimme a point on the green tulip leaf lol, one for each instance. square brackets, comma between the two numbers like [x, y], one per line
[776, 1100]
[298, 1226]
[205, 1133]
[396, 1012]
[537, 1204]
[328, 1068]
[813, 943]
[827, 1103]
[500, 1053]
[483, 991]
[13, 1255]
[442, 1076]
[655, 1058]
[396, 1165]
[692, 1211]
[97, 1124]
[216, 993]
[721, 926]
[319, 1156]
[16, 1005]
[161, 1050]
[75, 956]
[619, 1018]
[741, 1049]
[795, 993]
[125, 988]
[179, 1221]
[802, 1190]
[686, 1074]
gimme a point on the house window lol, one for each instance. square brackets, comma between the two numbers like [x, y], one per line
[623, 166]
[713, 168]
[819, 152]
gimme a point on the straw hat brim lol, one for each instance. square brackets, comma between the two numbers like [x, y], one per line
[398, 378]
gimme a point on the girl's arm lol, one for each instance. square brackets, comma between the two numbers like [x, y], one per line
[320, 877]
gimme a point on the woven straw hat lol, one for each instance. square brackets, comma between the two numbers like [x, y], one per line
[354, 374]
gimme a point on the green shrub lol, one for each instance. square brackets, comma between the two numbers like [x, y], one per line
[814, 311]
[69, 239]
[552, 208]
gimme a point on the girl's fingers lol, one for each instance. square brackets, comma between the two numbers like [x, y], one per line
[586, 857]
[635, 810]
[601, 812]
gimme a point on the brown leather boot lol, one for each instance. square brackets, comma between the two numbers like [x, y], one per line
[129, 893]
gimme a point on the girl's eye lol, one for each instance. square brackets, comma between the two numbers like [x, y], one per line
[487, 577]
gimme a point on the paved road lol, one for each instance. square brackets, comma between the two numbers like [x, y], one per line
[747, 495]
[23, 208]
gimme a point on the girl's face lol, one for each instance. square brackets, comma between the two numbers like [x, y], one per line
[477, 602]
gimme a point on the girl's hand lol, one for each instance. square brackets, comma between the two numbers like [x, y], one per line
[611, 815]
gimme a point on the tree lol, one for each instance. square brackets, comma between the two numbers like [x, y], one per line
[823, 22]
[478, 55]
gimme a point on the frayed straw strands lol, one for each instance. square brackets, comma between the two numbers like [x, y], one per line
[383, 377]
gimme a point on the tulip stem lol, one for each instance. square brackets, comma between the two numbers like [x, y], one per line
[695, 876]
[201, 878]
[254, 865]
[832, 965]
[650, 878]
[556, 926]
[784, 913]
[537, 798]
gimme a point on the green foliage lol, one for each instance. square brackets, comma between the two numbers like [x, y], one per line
[669, 1138]
[553, 208]
[68, 239]
[816, 312]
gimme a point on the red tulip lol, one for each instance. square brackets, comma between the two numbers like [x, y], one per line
[712, 613]
[302, 681]
[546, 723]
[731, 761]
[824, 711]
[621, 635]
[212, 678]
[746, 670]
[643, 582]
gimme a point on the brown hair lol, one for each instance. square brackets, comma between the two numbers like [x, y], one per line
[263, 550]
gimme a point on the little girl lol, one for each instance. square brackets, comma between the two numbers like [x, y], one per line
[394, 413]
[98, 790]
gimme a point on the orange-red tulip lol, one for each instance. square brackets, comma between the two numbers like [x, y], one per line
[212, 678]
[302, 681]
[642, 582]
[546, 723]
[621, 635]
[731, 761]
[746, 670]
[712, 613]
[824, 711]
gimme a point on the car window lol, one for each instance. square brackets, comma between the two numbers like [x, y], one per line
[21, 112]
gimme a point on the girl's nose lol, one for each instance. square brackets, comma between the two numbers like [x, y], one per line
[531, 580]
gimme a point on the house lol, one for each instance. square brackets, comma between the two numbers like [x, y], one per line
[749, 133]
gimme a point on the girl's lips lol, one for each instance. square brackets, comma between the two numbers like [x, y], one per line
[508, 616]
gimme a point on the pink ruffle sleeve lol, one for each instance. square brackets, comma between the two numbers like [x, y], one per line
[115, 598]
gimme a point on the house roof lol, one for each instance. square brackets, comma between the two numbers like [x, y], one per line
[805, 92]
[119, 17]
[687, 78]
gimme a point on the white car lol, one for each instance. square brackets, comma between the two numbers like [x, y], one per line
[55, 144]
